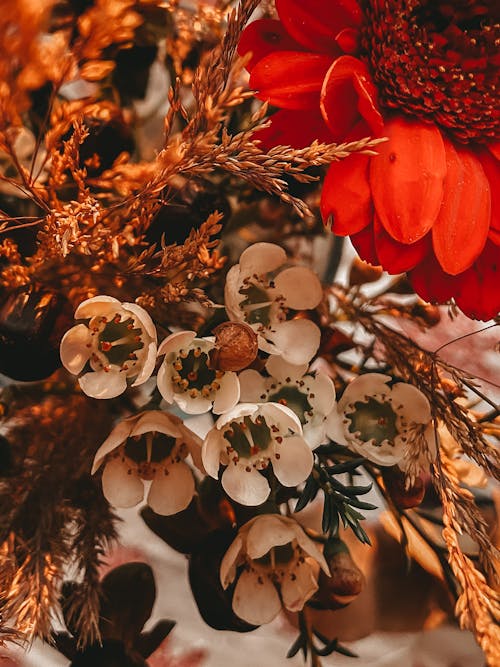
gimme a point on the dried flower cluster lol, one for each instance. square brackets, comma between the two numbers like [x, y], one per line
[159, 235]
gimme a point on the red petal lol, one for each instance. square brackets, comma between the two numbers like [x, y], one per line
[348, 40]
[346, 198]
[407, 178]
[478, 294]
[430, 281]
[290, 79]
[494, 148]
[462, 226]
[264, 37]
[316, 23]
[364, 244]
[294, 128]
[348, 92]
[398, 257]
[492, 171]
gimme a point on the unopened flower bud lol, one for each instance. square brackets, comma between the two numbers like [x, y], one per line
[346, 581]
[235, 346]
[403, 496]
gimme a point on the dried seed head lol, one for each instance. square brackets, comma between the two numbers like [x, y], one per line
[235, 346]
[403, 496]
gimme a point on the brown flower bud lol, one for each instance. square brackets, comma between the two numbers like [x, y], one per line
[235, 346]
[402, 497]
[362, 273]
[346, 581]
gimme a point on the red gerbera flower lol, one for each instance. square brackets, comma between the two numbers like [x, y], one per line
[423, 73]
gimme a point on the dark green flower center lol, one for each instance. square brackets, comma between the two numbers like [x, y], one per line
[256, 304]
[294, 399]
[119, 340]
[374, 421]
[192, 373]
[248, 438]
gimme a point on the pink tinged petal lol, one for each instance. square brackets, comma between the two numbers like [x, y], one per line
[171, 493]
[229, 562]
[252, 386]
[176, 341]
[117, 436]
[247, 487]
[295, 461]
[255, 599]
[461, 228]
[290, 79]
[97, 306]
[335, 427]
[144, 319]
[311, 548]
[407, 178]
[346, 198]
[261, 258]
[348, 95]
[228, 394]
[164, 382]
[284, 417]
[298, 340]
[315, 24]
[300, 286]
[193, 406]
[232, 297]
[298, 585]
[364, 385]
[74, 351]
[103, 385]
[280, 369]
[415, 406]
[156, 420]
[324, 394]
[315, 433]
[262, 37]
[240, 410]
[120, 488]
[211, 451]
[147, 367]
[267, 531]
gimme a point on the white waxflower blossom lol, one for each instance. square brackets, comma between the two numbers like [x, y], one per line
[381, 422]
[248, 439]
[276, 565]
[112, 346]
[150, 446]
[186, 378]
[265, 291]
[311, 395]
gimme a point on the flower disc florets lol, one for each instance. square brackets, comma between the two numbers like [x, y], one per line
[113, 345]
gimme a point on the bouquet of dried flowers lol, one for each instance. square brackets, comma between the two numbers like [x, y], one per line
[167, 169]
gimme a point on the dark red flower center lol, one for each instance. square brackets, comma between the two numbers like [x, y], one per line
[438, 60]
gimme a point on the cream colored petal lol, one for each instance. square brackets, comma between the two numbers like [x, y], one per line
[310, 547]
[314, 433]
[211, 452]
[171, 493]
[176, 341]
[298, 585]
[261, 258]
[297, 340]
[228, 394]
[335, 427]
[240, 410]
[282, 415]
[277, 367]
[255, 599]
[74, 351]
[232, 296]
[97, 306]
[269, 530]
[157, 420]
[144, 319]
[120, 488]
[252, 386]
[411, 404]
[295, 461]
[300, 286]
[192, 406]
[164, 382]
[117, 436]
[324, 394]
[103, 385]
[246, 487]
[148, 365]
[230, 561]
[362, 386]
